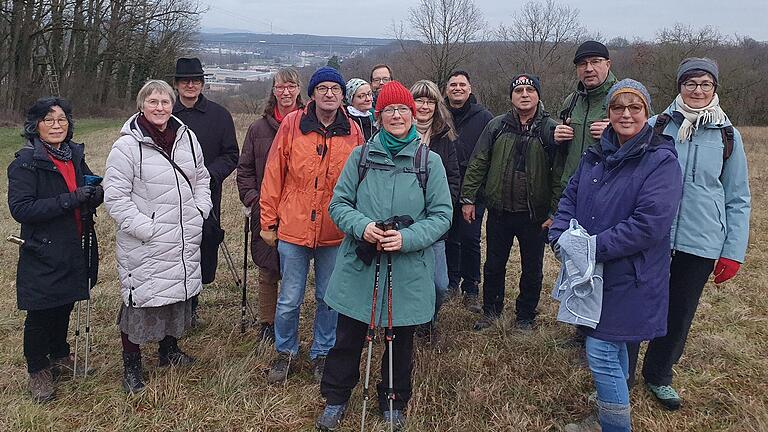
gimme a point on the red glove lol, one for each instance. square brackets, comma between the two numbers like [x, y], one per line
[725, 269]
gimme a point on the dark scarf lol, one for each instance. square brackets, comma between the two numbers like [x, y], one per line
[164, 139]
[63, 153]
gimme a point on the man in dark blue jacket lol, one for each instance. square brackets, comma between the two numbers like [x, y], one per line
[462, 248]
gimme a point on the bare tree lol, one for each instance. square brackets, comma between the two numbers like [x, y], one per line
[447, 28]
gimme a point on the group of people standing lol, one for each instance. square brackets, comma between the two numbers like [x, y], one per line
[384, 188]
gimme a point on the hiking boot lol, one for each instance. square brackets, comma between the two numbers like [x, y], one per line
[472, 303]
[318, 366]
[41, 385]
[174, 357]
[330, 419]
[666, 395]
[132, 372]
[396, 417]
[280, 369]
[589, 424]
[267, 332]
[524, 326]
[485, 322]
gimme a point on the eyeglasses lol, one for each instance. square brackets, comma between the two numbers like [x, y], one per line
[633, 109]
[390, 110]
[595, 62]
[365, 95]
[63, 122]
[706, 86]
[382, 80]
[420, 102]
[323, 90]
[190, 81]
[279, 89]
[153, 103]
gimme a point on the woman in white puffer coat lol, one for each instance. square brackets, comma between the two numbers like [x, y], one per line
[156, 188]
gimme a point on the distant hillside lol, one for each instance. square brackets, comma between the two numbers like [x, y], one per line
[296, 39]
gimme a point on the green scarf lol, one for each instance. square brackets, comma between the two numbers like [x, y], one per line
[392, 144]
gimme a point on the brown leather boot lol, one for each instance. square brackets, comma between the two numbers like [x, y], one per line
[41, 385]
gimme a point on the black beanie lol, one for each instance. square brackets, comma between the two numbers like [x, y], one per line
[590, 49]
[525, 79]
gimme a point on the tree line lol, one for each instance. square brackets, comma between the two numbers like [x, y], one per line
[97, 53]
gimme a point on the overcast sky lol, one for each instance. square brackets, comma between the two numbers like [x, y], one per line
[373, 18]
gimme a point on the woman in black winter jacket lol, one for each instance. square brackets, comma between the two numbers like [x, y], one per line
[435, 128]
[48, 196]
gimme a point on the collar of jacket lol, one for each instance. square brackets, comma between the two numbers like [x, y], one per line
[512, 119]
[272, 122]
[201, 105]
[381, 155]
[310, 123]
[645, 141]
[600, 91]
[136, 132]
[43, 160]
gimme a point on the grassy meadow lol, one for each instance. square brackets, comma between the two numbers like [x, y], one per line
[498, 380]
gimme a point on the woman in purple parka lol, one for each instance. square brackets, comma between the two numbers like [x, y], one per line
[625, 191]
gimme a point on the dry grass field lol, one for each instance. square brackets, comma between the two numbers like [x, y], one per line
[498, 380]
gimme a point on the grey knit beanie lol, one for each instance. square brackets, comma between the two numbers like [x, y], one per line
[697, 63]
[628, 85]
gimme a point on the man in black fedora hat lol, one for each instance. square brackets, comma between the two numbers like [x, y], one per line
[215, 130]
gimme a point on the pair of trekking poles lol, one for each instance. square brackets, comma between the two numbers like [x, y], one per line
[389, 336]
[240, 283]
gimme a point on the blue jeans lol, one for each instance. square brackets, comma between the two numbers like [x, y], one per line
[294, 267]
[609, 363]
[441, 275]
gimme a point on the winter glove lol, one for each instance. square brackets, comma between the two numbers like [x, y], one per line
[97, 198]
[84, 193]
[269, 237]
[725, 269]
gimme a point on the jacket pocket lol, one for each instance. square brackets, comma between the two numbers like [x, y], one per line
[620, 274]
[707, 162]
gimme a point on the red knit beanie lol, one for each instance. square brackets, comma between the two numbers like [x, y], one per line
[394, 93]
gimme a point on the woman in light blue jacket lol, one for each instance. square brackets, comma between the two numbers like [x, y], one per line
[711, 228]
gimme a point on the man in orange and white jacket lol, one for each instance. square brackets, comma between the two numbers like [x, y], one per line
[304, 163]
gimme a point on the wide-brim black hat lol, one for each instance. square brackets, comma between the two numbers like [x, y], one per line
[188, 68]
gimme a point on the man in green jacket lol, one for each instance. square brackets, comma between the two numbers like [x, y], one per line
[584, 113]
[519, 166]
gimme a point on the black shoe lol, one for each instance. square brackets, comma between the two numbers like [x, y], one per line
[132, 372]
[267, 332]
[318, 366]
[524, 325]
[174, 356]
[330, 419]
[485, 322]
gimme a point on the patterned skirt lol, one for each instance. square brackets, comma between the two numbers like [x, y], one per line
[152, 324]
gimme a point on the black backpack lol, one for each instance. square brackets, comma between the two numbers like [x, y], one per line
[662, 120]
[419, 166]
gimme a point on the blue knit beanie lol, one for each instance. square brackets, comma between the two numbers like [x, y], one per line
[352, 86]
[326, 73]
[628, 85]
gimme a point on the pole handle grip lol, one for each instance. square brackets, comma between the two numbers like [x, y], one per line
[15, 240]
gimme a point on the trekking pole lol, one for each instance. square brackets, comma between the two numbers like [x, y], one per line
[230, 263]
[89, 255]
[77, 340]
[369, 338]
[244, 299]
[390, 335]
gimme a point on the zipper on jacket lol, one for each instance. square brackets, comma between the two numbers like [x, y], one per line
[682, 195]
[181, 221]
[584, 129]
[695, 159]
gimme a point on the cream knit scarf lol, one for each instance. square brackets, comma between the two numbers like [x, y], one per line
[424, 131]
[694, 117]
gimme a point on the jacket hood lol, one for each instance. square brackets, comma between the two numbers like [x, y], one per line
[677, 117]
[512, 119]
[310, 123]
[646, 141]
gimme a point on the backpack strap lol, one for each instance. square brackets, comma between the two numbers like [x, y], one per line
[420, 166]
[727, 134]
[362, 164]
[662, 120]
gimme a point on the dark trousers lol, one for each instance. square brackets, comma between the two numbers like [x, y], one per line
[45, 334]
[342, 366]
[501, 230]
[688, 275]
[462, 251]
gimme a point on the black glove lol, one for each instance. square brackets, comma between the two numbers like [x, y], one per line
[84, 193]
[97, 197]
